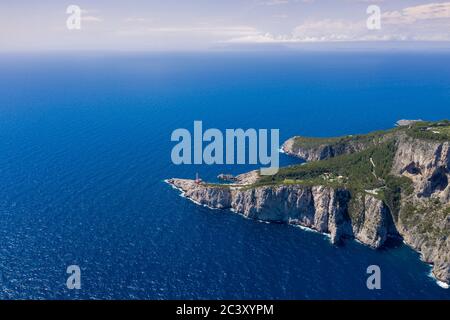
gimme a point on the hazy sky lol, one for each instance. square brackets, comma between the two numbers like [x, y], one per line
[212, 24]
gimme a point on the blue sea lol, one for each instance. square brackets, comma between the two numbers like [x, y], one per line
[85, 148]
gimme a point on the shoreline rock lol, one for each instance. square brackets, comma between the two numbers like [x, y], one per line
[320, 208]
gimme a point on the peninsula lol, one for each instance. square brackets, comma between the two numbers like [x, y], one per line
[376, 187]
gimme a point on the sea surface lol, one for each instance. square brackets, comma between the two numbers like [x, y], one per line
[85, 148]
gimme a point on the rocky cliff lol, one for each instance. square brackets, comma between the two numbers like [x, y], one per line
[321, 150]
[395, 189]
[314, 149]
[424, 218]
[320, 208]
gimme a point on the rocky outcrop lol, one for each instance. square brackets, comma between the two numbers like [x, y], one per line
[405, 122]
[314, 149]
[248, 178]
[320, 208]
[321, 151]
[426, 163]
[226, 177]
[214, 197]
[424, 219]
[372, 221]
[421, 218]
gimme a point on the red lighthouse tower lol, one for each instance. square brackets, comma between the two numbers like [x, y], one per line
[197, 179]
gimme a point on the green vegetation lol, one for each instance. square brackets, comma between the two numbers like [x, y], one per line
[425, 217]
[392, 194]
[336, 142]
[365, 172]
[309, 142]
[353, 171]
[436, 131]
[362, 173]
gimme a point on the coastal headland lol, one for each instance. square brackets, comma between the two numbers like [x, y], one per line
[380, 187]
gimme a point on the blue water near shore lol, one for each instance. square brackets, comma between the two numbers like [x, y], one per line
[85, 147]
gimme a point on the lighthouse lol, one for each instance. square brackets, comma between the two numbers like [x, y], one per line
[197, 179]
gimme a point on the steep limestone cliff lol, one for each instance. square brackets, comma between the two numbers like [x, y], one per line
[373, 187]
[424, 218]
[314, 149]
[320, 208]
[426, 163]
[321, 150]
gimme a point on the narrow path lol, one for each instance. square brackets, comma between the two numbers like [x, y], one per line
[374, 166]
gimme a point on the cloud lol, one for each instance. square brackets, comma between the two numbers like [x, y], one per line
[430, 22]
[329, 30]
[91, 18]
[418, 13]
[217, 31]
[311, 31]
[263, 38]
[136, 19]
[273, 2]
[282, 2]
[88, 16]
